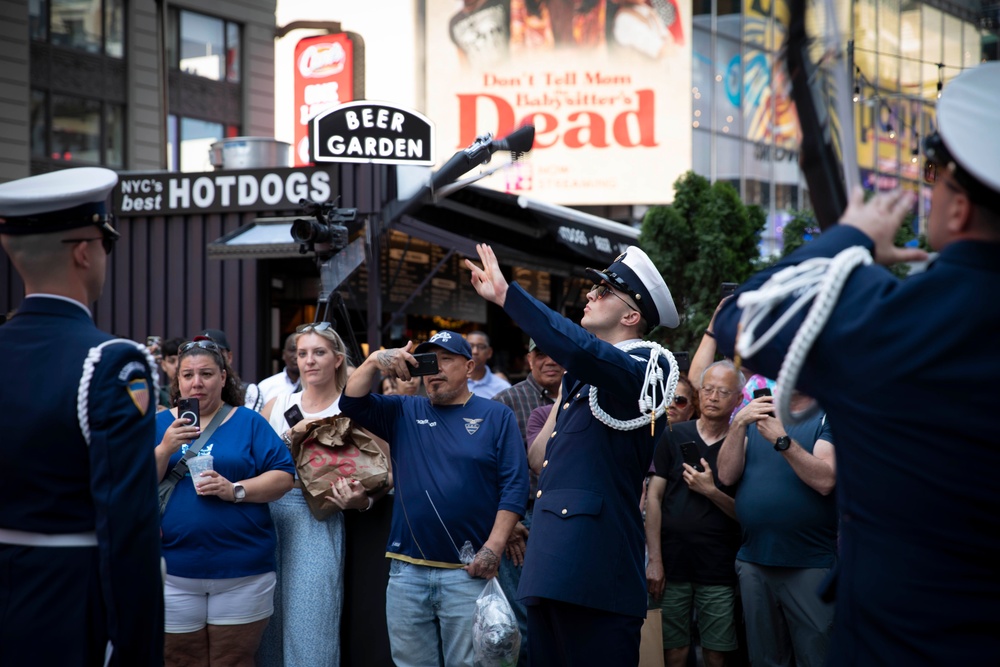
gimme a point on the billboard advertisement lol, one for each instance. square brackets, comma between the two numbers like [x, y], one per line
[606, 83]
[324, 78]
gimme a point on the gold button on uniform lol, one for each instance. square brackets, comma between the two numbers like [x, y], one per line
[539, 494]
[565, 511]
[545, 463]
[553, 435]
[565, 405]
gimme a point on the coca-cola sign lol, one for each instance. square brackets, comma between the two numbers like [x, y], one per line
[323, 80]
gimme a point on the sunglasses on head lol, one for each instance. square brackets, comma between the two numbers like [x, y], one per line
[315, 326]
[681, 400]
[209, 345]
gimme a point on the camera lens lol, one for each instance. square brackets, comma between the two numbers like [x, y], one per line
[304, 231]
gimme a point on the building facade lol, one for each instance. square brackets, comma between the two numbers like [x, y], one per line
[131, 85]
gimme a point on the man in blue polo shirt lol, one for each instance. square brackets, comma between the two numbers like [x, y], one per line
[461, 475]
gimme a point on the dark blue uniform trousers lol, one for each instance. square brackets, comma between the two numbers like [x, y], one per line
[566, 634]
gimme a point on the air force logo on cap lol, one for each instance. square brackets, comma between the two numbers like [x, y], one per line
[633, 272]
[57, 201]
[448, 340]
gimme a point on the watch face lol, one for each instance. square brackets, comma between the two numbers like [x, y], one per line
[782, 443]
[239, 492]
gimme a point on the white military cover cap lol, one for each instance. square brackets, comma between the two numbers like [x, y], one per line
[634, 273]
[57, 201]
[966, 122]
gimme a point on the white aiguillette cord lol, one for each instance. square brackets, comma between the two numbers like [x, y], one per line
[649, 408]
[820, 280]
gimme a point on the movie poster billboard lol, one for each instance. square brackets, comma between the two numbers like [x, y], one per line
[606, 83]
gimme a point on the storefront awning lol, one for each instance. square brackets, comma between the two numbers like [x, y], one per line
[523, 231]
[263, 238]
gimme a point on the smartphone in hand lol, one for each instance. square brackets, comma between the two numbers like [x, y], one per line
[427, 364]
[763, 391]
[293, 416]
[689, 450]
[188, 408]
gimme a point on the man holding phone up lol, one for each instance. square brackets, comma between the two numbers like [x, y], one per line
[789, 522]
[691, 530]
[460, 474]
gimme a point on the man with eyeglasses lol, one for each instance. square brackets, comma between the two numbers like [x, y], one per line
[483, 381]
[583, 580]
[691, 530]
[79, 532]
[907, 373]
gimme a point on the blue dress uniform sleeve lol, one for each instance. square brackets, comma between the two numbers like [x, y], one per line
[581, 353]
[768, 361]
[117, 402]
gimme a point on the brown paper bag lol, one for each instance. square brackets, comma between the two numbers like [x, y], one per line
[333, 447]
[651, 643]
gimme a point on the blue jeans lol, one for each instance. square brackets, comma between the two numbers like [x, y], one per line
[429, 614]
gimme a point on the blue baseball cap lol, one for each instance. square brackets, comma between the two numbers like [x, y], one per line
[446, 340]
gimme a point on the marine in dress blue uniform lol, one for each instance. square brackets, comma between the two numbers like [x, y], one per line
[80, 579]
[907, 371]
[584, 578]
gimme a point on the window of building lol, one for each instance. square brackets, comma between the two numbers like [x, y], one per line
[204, 46]
[189, 141]
[68, 130]
[94, 26]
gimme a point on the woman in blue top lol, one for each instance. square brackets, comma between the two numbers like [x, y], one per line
[218, 538]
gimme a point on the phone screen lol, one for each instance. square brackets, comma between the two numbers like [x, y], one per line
[188, 408]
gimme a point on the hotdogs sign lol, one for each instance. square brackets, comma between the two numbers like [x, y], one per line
[163, 193]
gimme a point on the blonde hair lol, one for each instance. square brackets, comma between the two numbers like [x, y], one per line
[337, 346]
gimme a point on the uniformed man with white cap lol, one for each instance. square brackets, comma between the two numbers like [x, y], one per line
[584, 577]
[908, 371]
[80, 579]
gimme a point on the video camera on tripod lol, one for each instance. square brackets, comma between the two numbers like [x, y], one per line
[326, 232]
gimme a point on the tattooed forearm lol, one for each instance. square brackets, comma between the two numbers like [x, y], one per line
[384, 358]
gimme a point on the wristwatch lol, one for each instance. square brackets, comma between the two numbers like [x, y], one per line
[239, 493]
[782, 443]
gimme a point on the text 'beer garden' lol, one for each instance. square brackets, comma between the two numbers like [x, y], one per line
[378, 132]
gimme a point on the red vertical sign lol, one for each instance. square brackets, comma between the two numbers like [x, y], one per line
[324, 78]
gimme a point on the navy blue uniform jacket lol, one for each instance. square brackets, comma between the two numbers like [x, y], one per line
[587, 544]
[61, 605]
[909, 374]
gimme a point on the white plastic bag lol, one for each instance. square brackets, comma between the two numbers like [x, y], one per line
[496, 641]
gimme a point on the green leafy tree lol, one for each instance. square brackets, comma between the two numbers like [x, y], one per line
[706, 237]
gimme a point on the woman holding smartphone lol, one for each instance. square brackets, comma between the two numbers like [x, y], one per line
[218, 539]
[305, 629]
